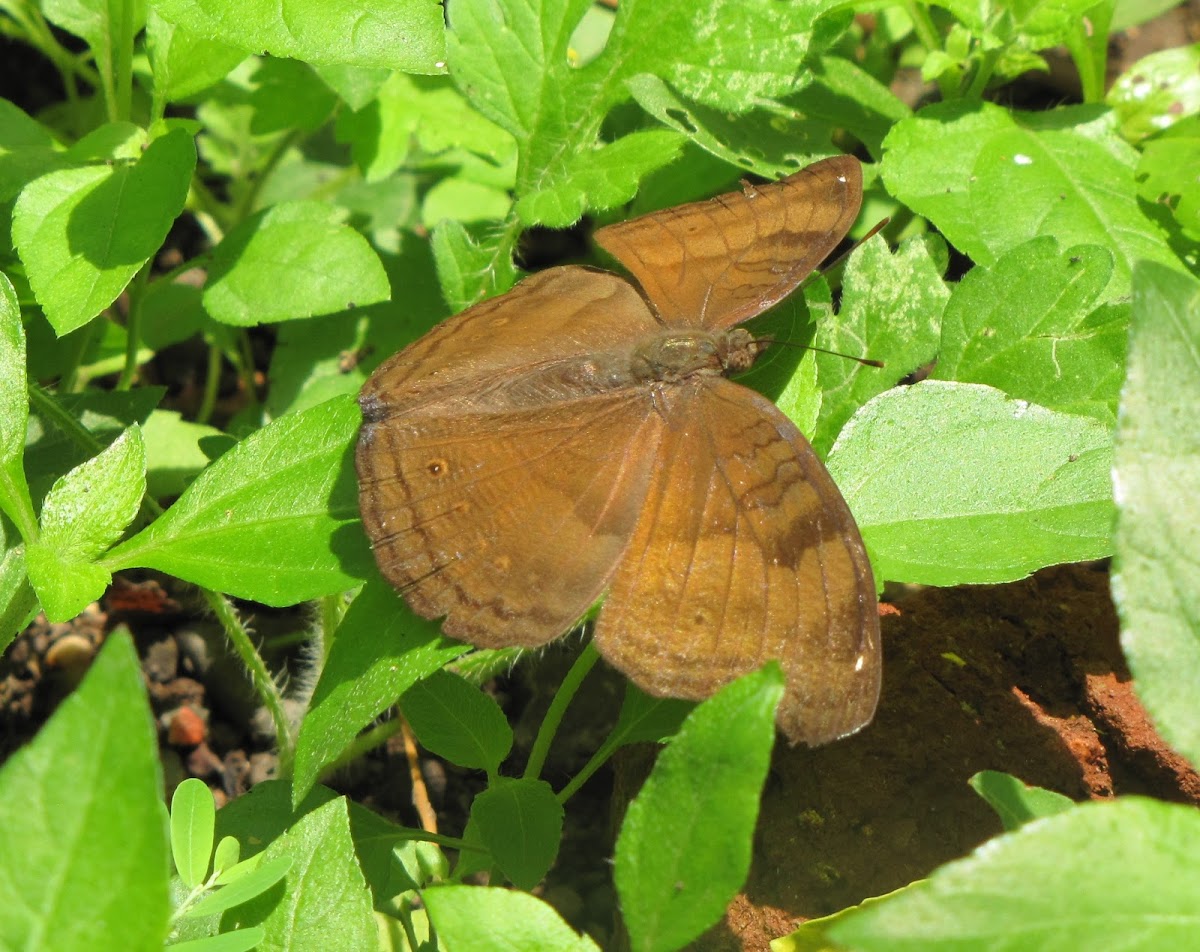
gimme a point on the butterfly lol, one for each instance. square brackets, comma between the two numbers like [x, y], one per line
[579, 436]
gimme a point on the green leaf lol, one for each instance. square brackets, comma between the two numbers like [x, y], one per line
[520, 823]
[183, 62]
[14, 412]
[266, 872]
[83, 858]
[27, 150]
[684, 848]
[955, 483]
[63, 426]
[84, 232]
[456, 721]
[1157, 91]
[644, 718]
[241, 941]
[274, 519]
[292, 260]
[83, 514]
[381, 649]
[991, 179]
[891, 311]
[18, 603]
[601, 178]
[173, 454]
[1156, 576]
[325, 902]
[193, 816]
[1160, 181]
[1030, 326]
[488, 919]
[1116, 875]
[405, 35]
[1017, 803]
[470, 270]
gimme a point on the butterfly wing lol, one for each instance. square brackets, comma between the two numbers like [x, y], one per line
[745, 552]
[721, 262]
[500, 468]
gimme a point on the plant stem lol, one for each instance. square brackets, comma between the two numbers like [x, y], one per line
[558, 707]
[137, 291]
[260, 677]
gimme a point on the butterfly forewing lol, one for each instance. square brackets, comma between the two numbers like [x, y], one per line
[721, 262]
[746, 552]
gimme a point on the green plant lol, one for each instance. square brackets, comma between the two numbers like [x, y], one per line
[320, 145]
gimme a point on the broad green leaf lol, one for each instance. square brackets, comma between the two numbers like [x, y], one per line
[520, 823]
[955, 483]
[1160, 180]
[83, 514]
[684, 848]
[27, 150]
[489, 919]
[891, 310]
[193, 816]
[1115, 874]
[84, 232]
[1017, 803]
[83, 858]
[772, 140]
[292, 260]
[1157, 91]
[601, 178]
[381, 649]
[325, 901]
[991, 179]
[1030, 326]
[464, 201]
[1156, 576]
[324, 357]
[183, 62]
[456, 721]
[14, 411]
[274, 519]
[405, 35]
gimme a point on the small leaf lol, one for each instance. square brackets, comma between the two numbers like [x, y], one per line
[1017, 803]
[456, 721]
[83, 858]
[1157, 91]
[266, 872]
[955, 483]
[227, 855]
[1115, 874]
[645, 718]
[241, 941]
[482, 919]
[1156, 576]
[289, 261]
[14, 413]
[84, 513]
[193, 815]
[273, 519]
[520, 823]
[684, 848]
[183, 62]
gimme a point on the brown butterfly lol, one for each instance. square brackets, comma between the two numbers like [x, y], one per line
[578, 436]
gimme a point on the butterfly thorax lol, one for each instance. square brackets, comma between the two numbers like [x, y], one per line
[675, 355]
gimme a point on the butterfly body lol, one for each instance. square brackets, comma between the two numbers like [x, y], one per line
[577, 437]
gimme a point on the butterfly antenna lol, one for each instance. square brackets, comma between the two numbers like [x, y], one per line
[836, 262]
[865, 361]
